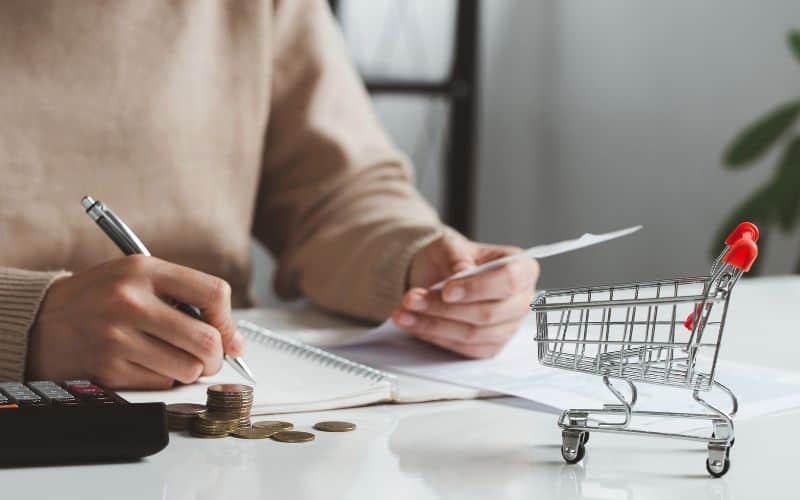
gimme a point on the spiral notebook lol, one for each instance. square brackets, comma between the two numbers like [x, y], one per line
[292, 377]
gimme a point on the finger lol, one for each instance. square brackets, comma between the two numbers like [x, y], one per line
[495, 284]
[127, 375]
[488, 253]
[210, 294]
[144, 378]
[163, 358]
[429, 327]
[476, 351]
[193, 336]
[430, 303]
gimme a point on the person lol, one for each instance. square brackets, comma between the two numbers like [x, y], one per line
[206, 123]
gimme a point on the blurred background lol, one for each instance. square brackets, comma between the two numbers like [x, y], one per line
[530, 121]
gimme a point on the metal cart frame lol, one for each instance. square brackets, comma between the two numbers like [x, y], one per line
[636, 332]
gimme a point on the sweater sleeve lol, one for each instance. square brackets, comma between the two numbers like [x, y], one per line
[336, 204]
[21, 292]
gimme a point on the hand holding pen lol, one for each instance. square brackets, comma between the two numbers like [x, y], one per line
[130, 244]
[113, 323]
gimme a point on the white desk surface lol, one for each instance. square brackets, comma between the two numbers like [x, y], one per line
[469, 449]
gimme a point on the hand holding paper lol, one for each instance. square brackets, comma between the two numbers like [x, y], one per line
[487, 322]
[473, 316]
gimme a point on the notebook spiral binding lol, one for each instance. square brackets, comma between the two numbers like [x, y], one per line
[259, 334]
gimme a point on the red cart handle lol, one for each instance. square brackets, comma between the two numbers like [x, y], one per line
[741, 229]
[742, 252]
[743, 249]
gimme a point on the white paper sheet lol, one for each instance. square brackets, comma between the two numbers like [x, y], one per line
[542, 251]
[388, 329]
[517, 372]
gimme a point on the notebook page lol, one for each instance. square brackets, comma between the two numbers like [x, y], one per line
[291, 377]
[320, 329]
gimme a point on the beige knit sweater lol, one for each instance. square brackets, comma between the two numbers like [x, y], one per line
[201, 122]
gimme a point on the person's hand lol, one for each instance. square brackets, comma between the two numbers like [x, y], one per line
[113, 323]
[473, 316]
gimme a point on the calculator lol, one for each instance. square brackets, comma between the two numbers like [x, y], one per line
[76, 421]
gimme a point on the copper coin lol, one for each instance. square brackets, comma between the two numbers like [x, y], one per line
[293, 437]
[335, 426]
[185, 409]
[208, 436]
[253, 433]
[276, 425]
[225, 389]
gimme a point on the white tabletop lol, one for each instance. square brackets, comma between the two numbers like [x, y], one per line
[497, 448]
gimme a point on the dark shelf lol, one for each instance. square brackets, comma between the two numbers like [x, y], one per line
[460, 88]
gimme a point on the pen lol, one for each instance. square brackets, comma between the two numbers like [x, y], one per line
[130, 244]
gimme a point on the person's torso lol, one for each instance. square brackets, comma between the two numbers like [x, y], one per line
[156, 108]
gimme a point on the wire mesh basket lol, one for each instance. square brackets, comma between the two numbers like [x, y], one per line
[664, 332]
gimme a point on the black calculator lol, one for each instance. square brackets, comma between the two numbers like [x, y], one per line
[77, 421]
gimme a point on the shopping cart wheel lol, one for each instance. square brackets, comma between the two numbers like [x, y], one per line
[572, 449]
[717, 468]
[575, 456]
[585, 438]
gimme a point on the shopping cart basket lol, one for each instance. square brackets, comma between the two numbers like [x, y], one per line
[661, 332]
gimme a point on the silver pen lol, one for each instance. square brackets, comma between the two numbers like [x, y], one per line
[130, 244]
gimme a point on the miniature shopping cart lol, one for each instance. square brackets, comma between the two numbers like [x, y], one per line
[661, 332]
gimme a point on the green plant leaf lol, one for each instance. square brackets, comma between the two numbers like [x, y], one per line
[759, 209]
[794, 42]
[760, 135]
[786, 186]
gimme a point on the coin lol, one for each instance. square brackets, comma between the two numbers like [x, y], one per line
[181, 416]
[185, 408]
[276, 425]
[335, 426]
[293, 437]
[230, 388]
[207, 436]
[253, 433]
[207, 425]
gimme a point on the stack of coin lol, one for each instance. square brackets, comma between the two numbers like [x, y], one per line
[209, 426]
[230, 401]
[181, 416]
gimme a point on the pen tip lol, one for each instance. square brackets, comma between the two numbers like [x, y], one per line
[239, 365]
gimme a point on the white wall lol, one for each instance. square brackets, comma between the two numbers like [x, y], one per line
[595, 115]
[610, 113]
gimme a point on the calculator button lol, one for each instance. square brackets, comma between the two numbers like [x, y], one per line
[21, 393]
[9, 406]
[84, 390]
[78, 382]
[51, 391]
